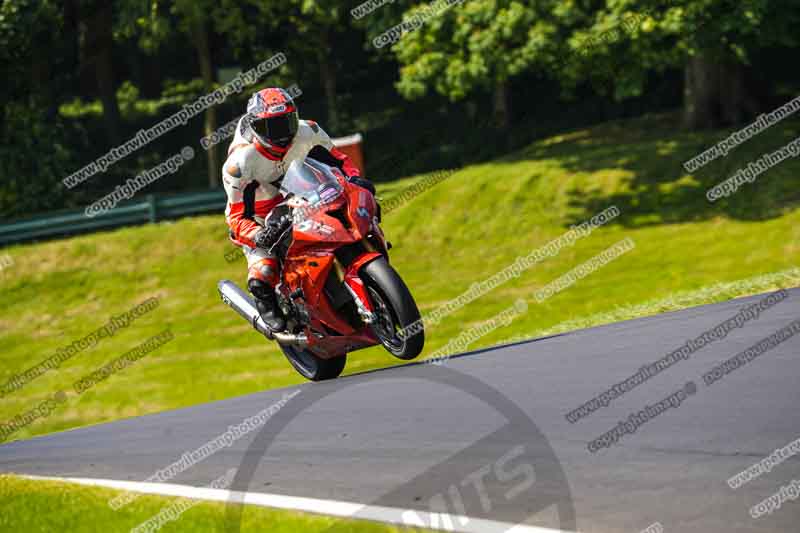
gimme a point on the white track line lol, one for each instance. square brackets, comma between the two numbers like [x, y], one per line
[389, 515]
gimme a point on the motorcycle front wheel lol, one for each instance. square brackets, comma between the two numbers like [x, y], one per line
[395, 310]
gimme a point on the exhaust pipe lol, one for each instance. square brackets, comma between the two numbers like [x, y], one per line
[235, 297]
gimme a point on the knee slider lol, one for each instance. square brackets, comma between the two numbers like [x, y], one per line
[259, 289]
[265, 270]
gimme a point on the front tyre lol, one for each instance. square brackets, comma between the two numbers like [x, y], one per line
[395, 310]
[311, 366]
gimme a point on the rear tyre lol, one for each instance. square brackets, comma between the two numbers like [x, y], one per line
[313, 367]
[395, 309]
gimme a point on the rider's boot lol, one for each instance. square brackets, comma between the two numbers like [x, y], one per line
[267, 305]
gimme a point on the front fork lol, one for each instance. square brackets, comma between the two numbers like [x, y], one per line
[355, 285]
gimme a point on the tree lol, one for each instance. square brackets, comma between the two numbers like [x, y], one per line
[716, 81]
[200, 21]
[711, 41]
[481, 45]
[96, 47]
[196, 18]
[38, 51]
[316, 26]
[462, 49]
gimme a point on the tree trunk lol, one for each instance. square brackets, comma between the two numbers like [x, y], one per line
[502, 107]
[700, 89]
[201, 41]
[41, 64]
[328, 78]
[716, 93]
[737, 103]
[70, 40]
[98, 50]
[472, 111]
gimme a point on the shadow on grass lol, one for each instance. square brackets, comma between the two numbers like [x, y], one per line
[646, 158]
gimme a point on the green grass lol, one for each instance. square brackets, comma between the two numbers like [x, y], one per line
[36, 506]
[718, 292]
[461, 231]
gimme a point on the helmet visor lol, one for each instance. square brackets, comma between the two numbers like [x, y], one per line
[281, 128]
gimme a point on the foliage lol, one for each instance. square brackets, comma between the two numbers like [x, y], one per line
[620, 43]
[467, 46]
[33, 159]
[18, 43]
[457, 62]
[625, 42]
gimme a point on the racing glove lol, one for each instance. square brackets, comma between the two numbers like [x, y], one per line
[266, 237]
[362, 182]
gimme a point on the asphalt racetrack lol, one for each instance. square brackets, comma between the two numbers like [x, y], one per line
[485, 434]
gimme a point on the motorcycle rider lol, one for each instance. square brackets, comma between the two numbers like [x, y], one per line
[269, 137]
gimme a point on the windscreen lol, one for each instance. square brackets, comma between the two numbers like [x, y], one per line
[311, 181]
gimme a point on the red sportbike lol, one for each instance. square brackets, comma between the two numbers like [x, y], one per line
[338, 291]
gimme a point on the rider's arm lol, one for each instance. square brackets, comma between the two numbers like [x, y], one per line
[240, 211]
[325, 152]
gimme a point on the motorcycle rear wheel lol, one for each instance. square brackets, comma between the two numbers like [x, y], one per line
[311, 366]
